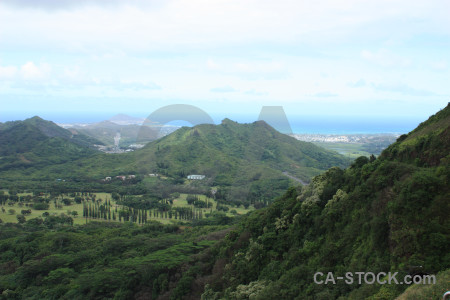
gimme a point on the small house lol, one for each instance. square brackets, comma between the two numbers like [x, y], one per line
[196, 177]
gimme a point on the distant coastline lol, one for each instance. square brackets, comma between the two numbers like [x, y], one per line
[327, 125]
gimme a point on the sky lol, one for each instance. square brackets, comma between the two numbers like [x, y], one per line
[386, 61]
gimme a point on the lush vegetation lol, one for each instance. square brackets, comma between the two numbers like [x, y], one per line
[49, 259]
[84, 207]
[36, 143]
[245, 161]
[381, 214]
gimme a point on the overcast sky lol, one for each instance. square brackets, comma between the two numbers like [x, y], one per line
[383, 58]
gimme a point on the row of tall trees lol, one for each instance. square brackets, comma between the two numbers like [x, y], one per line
[105, 211]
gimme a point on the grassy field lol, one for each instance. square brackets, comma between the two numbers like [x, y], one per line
[181, 202]
[351, 150]
[9, 217]
[12, 218]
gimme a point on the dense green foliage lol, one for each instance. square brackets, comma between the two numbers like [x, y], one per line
[246, 161]
[98, 260]
[229, 149]
[388, 214]
[36, 143]
[379, 215]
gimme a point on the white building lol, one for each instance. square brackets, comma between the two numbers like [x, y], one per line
[196, 177]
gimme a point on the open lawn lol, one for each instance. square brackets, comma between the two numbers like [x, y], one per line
[351, 150]
[182, 202]
[11, 217]
[8, 217]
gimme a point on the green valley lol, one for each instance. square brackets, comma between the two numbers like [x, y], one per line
[245, 161]
[231, 234]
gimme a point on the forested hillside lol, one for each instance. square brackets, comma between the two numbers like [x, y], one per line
[386, 214]
[379, 215]
[50, 259]
[221, 150]
[249, 162]
[38, 143]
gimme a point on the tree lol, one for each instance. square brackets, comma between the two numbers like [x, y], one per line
[11, 211]
[40, 206]
[115, 196]
[74, 213]
[25, 211]
[21, 219]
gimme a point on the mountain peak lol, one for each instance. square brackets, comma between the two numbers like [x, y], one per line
[35, 120]
[228, 121]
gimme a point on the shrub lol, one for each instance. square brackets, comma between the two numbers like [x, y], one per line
[40, 206]
[25, 211]
[21, 219]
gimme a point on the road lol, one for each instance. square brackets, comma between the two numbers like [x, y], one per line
[295, 178]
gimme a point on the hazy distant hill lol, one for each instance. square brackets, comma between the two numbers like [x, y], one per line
[130, 131]
[122, 119]
[38, 142]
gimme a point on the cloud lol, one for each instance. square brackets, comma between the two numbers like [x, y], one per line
[7, 72]
[52, 5]
[225, 89]
[260, 70]
[401, 88]
[440, 65]
[251, 69]
[32, 72]
[138, 85]
[212, 64]
[36, 77]
[359, 83]
[252, 92]
[325, 95]
[385, 58]
[197, 24]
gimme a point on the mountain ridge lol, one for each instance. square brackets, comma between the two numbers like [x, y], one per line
[37, 142]
[255, 142]
[248, 161]
[386, 214]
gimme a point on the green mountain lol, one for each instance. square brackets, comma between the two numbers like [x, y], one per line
[38, 143]
[225, 151]
[249, 162]
[388, 214]
[380, 215]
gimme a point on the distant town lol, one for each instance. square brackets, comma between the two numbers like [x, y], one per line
[345, 138]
